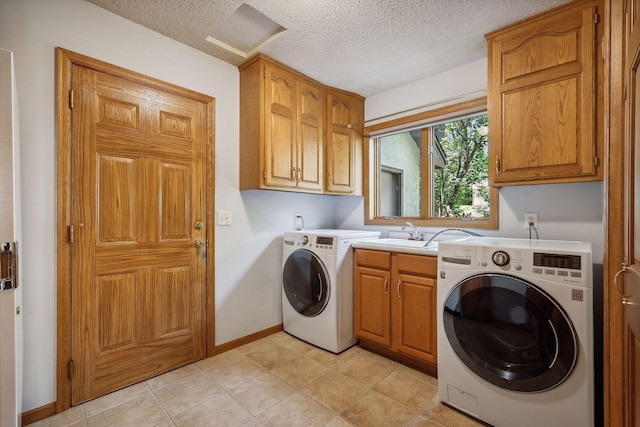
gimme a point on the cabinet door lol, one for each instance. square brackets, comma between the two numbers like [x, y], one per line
[280, 128]
[340, 152]
[542, 99]
[310, 136]
[371, 307]
[414, 317]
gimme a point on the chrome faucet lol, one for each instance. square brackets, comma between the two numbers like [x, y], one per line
[413, 234]
[470, 233]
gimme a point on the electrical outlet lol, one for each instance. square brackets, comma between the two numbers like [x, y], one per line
[224, 217]
[531, 217]
[297, 219]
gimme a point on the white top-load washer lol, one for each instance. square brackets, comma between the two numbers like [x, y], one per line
[317, 286]
[515, 331]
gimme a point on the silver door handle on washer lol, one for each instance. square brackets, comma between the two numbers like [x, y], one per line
[320, 281]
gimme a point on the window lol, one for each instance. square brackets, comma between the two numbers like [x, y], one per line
[432, 169]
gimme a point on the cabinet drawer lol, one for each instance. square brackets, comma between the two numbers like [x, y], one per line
[417, 264]
[373, 259]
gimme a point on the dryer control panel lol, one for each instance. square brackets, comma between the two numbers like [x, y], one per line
[317, 243]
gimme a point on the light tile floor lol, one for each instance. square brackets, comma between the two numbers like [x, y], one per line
[276, 381]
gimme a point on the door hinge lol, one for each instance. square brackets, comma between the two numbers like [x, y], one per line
[264, 175]
[71, 369]
[264, 73]
[596, 161]
[71, 234]
[596, 18]
[71, 99]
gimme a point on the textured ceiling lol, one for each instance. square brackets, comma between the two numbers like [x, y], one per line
[364, 46]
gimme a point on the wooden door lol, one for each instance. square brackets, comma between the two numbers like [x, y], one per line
[340, 152]
[627, 281]
[280, 129]
[414, 317]
[310, 136]
[138, 256]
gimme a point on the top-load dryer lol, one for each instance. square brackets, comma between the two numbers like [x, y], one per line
[317, 286]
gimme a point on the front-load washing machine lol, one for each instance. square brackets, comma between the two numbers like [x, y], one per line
[317, 286]
[515, 331]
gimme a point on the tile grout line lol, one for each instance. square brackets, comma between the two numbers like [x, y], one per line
[160, 403]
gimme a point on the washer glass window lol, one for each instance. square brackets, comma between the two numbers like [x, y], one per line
[510, 332]
[306, 283]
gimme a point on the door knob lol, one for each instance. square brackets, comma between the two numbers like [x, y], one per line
[199, 225]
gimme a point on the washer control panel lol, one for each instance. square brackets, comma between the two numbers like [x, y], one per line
[500, 258]
[550, 263]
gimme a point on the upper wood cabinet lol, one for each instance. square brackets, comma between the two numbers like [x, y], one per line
[281, 129]
[545, 117]
[343, 112]
[293, 131]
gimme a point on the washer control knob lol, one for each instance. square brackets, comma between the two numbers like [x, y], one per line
[518, 267]
[304, 240]
[500, 258]
[483, 263]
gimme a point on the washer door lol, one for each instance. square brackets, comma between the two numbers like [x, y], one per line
[510, 332]
[306, 283]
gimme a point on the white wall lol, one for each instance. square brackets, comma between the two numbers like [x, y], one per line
[248, 254]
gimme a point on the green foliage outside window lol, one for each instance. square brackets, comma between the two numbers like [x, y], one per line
[465, 172]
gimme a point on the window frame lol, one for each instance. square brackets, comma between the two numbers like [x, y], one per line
[371, 160]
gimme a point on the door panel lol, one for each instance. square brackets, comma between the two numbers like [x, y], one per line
[414, 317]
[630, 288]
[138, 187]
[280, 134]
[372, 306]
[340, 150]
[117, 176]
[310, 121]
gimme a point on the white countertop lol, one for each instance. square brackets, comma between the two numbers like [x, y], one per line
[415, 247]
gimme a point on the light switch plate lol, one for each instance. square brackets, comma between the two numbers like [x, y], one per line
[224, 217]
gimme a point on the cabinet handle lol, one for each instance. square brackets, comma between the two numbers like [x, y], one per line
[497, 164]
[398, 288]
[386, 291]
[294, 174]
[330, 179]
[299, 174]
[616, 284]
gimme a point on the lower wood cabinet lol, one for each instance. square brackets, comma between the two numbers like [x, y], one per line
[395, 304]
